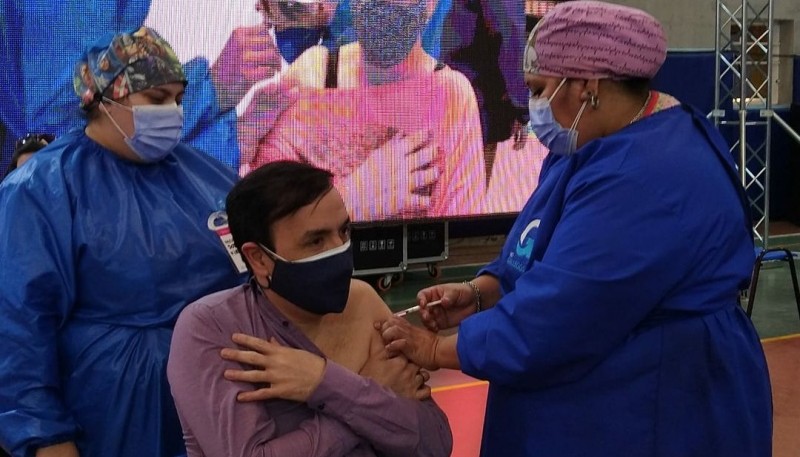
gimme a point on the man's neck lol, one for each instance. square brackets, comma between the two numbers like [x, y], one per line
[308, 323]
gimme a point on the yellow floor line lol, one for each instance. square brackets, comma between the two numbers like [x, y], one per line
[781, 338]
[459, 386]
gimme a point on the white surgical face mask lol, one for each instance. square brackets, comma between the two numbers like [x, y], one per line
[551, 134]
[156, 129]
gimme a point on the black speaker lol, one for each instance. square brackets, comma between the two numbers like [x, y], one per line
[426, 242]
[378, 249]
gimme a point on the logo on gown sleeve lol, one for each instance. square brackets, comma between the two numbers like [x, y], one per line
[521, 256]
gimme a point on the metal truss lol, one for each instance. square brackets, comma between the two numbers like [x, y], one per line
[743, 97]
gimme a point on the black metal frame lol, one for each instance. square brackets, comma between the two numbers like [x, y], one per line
[787, 257]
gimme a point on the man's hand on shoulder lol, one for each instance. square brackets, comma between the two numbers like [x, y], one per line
[398, 374]
[287, 373]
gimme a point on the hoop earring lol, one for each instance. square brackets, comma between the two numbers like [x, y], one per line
[594, 101]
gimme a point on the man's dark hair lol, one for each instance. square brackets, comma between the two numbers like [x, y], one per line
[270, 193]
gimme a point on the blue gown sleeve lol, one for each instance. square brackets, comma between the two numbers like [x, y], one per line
[38, 277]
[432, 34]
[609, 259]
[205, 126]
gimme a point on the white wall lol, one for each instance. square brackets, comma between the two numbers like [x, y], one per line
[690, 24]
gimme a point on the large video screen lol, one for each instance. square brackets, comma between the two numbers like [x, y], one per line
[418, 107]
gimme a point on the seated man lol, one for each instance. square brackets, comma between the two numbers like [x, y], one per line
[324, 384]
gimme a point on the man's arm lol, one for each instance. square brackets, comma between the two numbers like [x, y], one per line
[392, 424]
[395, 426]
[222, 425]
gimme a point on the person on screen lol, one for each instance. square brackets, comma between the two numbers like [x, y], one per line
[484, 40]
[105, 240]
[296, 26]
[25, 147]
[302, 327]
[58, 32]
[399, 131]
[609, 324]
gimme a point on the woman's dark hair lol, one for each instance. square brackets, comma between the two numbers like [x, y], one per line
[270, 193]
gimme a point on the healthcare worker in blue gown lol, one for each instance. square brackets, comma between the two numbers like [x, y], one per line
[104, 238]
[609, 324]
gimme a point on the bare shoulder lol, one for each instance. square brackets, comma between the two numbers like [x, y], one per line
[366, 302]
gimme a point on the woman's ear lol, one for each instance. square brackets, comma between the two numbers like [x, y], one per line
[591, 88]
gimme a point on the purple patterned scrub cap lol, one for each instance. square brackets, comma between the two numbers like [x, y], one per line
[596, 40]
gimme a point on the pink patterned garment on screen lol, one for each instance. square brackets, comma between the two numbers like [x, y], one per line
[339, 129]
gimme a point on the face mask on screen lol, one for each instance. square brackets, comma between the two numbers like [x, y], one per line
[294, 41]
[387, 30]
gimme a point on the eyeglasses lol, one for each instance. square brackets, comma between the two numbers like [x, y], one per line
[30, 138]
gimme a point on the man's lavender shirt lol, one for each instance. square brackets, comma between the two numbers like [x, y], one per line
[347, 415]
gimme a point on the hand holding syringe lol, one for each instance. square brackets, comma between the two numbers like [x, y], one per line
[416, 308]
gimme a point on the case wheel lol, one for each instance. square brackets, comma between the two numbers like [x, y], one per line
[384, 283]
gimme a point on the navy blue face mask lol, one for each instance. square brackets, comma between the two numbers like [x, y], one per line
[294, 41]
[319, 284]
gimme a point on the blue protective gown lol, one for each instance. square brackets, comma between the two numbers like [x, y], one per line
[98, 256]
[40, 43]
[619, 331]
